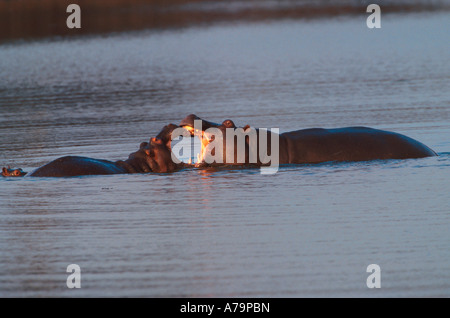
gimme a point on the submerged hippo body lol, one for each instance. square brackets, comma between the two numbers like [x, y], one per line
[152, 156]
[70, 166]
[321, 145]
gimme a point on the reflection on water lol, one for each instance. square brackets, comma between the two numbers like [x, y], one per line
[308, 230]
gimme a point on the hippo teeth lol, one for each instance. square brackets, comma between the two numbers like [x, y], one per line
[205, 139]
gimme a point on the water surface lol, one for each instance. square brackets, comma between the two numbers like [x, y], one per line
[307, 231]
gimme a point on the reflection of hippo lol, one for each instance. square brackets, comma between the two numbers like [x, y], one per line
[151, 157]
[321, 145]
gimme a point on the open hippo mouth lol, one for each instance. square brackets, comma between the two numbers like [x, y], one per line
[162, 143]
[205, 140]
[199, 127]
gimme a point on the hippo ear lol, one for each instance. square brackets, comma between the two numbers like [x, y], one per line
[228, 123]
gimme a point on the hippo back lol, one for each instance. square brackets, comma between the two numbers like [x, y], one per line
[70, 166]
[351, 144]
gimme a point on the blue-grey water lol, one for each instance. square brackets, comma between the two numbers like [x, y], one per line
[306, 231]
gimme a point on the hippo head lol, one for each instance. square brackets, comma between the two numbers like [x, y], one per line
[158, 152]
[8, 172]
[208, 131]
[165, 135]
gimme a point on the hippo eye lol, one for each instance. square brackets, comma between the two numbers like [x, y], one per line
[156, 140]
[152, 153]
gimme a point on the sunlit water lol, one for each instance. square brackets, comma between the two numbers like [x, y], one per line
[306, 231]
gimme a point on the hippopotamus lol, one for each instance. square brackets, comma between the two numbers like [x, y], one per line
[152, 156]
[315, 145]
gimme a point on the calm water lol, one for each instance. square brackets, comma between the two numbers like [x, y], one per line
[307, 231]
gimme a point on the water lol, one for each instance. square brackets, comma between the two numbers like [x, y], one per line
[307, 231]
